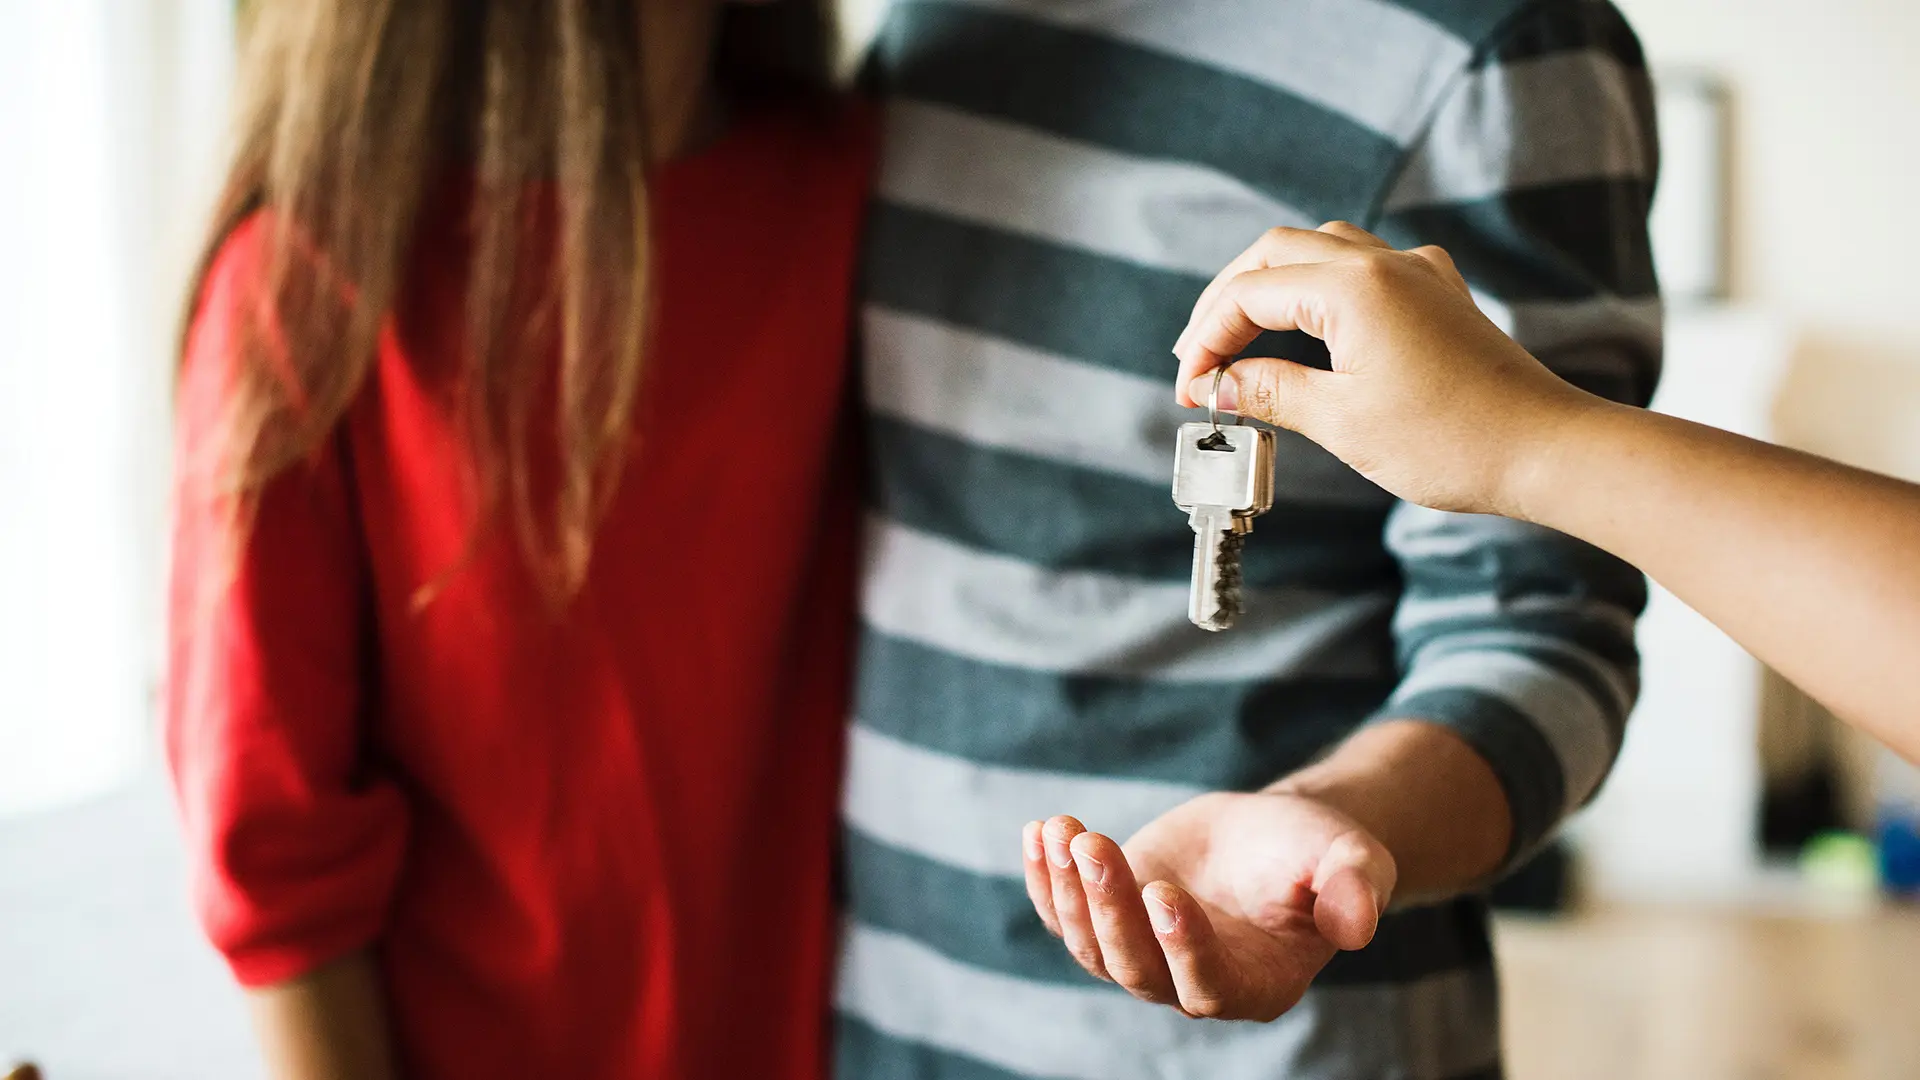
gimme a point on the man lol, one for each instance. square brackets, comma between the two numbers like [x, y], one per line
[1062, 177]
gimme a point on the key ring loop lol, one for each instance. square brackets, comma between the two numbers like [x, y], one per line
[1213, 400]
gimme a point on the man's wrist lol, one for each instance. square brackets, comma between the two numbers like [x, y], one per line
[1424, 793]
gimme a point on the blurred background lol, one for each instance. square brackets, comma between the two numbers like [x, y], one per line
[1727, 908]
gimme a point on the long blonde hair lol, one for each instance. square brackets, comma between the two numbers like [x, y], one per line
[351, 110]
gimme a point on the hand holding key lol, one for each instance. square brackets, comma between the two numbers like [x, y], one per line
[1427, 397]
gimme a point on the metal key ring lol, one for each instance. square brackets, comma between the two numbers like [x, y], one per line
[1213, 399]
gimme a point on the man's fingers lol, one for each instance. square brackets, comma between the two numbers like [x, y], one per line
[1352, 887]
[1279, 392]
[1127, 943]
[1039, 880]
[1203, 973]
[1069, 898]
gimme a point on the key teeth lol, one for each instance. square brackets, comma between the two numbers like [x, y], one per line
[1227, 597]
[1227, 588]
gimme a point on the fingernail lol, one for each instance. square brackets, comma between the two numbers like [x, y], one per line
[1059, 853]
[1199, 389]
[1091, 869]
[1161, 915]
[1031, 834]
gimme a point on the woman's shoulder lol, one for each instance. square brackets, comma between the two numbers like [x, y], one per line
[234, 267]
[234, 306]
[233, 282]
[229, 300]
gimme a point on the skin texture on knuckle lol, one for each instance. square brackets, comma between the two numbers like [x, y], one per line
[1137, 980]
[1277, 235]
[1258, 390]
[1147, 991]
[1155, 997]
[1377, 272]
[1346, 230]
[1089, 957]
[1206, 1005]
[1438, 265]
[1230, 317]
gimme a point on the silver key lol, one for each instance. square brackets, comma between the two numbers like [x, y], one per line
[1223, 478]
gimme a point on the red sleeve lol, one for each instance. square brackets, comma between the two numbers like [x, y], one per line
[294, 844]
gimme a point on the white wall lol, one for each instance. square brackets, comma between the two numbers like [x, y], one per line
[1825, 208]
[110, 112]
[70, 690]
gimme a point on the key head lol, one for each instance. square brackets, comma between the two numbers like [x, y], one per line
[1237, 476]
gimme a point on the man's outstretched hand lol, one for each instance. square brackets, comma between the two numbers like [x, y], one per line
[1226, 906]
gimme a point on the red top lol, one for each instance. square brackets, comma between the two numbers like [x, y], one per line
[596, 845]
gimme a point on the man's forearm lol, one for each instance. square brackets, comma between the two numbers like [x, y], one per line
[1424, 793]
[329, 1024]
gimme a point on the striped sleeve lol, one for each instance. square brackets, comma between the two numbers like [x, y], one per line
[1536, 172]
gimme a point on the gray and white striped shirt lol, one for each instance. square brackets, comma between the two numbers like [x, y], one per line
[1060, 179]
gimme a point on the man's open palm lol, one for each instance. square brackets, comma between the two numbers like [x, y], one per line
[1245, 899]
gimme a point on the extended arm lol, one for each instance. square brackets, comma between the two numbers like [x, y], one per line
[1812, 566]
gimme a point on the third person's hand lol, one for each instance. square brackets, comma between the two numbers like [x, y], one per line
[1427, 397]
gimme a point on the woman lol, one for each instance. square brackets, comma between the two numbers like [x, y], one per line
[1809, 564]
[505, 690]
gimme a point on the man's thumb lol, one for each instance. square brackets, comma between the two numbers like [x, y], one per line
[1352, 887]
[1279, 392]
